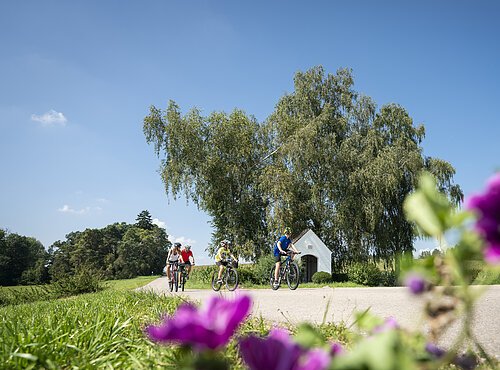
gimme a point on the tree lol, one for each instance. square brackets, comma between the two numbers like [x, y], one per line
[144, 220]
[325, 159]
[22, 260]
[215, 162]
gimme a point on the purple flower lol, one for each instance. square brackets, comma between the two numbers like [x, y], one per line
[209, 327]
[464, 361]
[279, 352]
[336, 349]
[390, 323]
[434, 350]
[416, 283]
[488, 224]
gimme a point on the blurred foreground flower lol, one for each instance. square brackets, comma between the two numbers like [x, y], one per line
[279, 351]
[208, 327]
[465, 362]
[416, 283]
[488, 224]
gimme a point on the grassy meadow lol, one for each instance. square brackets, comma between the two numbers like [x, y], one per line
[103, 330]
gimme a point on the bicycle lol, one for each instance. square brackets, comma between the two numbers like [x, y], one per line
[183, 275]
[173, 282]
[230, 277]
[288, 270]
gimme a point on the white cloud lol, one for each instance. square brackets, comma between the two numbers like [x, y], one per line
[104, 200]
[182, 239]
[159, 223]
[68, 209]
[50, 118]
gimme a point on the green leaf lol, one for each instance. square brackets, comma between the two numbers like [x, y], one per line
[308, 337]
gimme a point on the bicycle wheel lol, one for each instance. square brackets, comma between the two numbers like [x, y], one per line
[182, 280]
[271, 279]
[215, 285]
[231, 279]
[176, 281]
[292, 276]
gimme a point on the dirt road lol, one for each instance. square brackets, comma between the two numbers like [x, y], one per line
[339, 304]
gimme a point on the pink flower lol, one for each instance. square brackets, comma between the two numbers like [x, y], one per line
[389, 323]
[279, 352]
[209, 327]
[488, 224]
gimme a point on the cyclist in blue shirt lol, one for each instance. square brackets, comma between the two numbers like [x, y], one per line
[280, 248]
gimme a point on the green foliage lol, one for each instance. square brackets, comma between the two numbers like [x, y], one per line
[325, 159]
[340, 277]
[119, 250]
[85, 280]
[23, 260]
[144, 220]
[262, 269]
[19, 295]
[365, 274]
[321, 277]
[202, 274]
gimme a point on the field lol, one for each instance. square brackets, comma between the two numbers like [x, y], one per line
[100, 330]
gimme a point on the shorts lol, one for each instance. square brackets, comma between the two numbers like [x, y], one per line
[172, 262]
[219, 263]
[277, 258]
[187, 263]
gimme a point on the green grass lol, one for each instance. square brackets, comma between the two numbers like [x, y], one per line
[103, 330]
[129, 284]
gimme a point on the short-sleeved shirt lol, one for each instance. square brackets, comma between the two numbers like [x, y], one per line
[222, 254]
[186, 254]
[285, 242]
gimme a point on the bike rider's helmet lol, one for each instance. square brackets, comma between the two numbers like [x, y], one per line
[177, 245]
[187, 247]
[287, 231]
[225, 243]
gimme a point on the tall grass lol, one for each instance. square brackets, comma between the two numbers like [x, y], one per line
[91, 331]
[102, 330]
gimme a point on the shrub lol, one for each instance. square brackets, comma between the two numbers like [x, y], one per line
[262, 269]
[365, 274]
[84, 281]
[388, 278]
[246, 274]
[340, 277]
[321, 277]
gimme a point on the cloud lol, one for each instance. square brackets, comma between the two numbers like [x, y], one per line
[183, 240]
[159, 223]
[104, 200]
[50, 118]
[68, 209]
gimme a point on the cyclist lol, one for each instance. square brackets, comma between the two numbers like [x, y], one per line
[280, 248]
[187, 258]
[222, 256]
[173, 256]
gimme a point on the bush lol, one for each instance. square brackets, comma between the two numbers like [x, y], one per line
[340, 277]
[321, 277]
[84, 281]
[365, 274]
[262, 269]
[388, 278]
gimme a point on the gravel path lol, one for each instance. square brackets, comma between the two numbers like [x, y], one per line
[339, 304]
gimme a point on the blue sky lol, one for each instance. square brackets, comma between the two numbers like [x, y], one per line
[77, 78]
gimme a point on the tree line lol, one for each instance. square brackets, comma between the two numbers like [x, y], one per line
[117, 251]
[326, 158]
